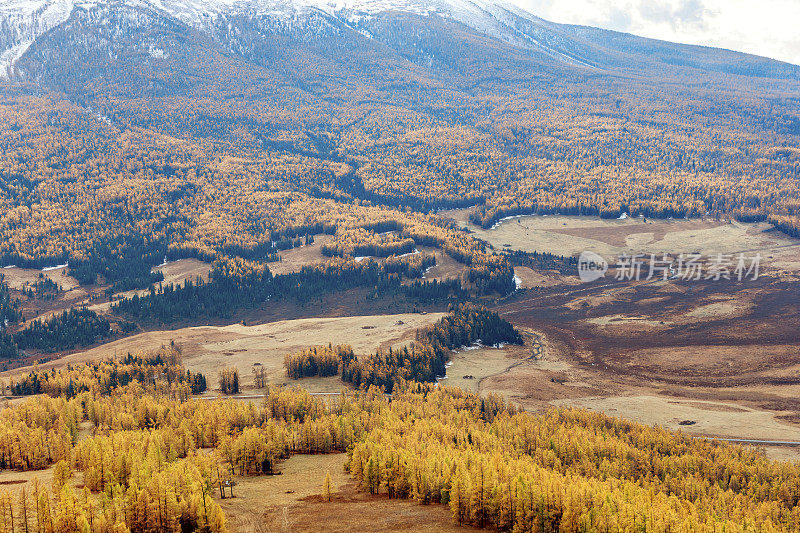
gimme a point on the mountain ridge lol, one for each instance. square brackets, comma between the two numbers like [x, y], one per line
[22, 23]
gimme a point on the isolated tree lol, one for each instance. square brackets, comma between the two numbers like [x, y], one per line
[327, 488]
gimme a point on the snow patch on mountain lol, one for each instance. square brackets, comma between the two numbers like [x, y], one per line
[23, 21]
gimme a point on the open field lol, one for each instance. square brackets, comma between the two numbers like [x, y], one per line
[208, 349]
[73, 295]
[177, 272]
[446, 267]
[295, 259]
[292, 501]
[18, 277]
[720, 357]
[571, 235]
[470, 367]
[709, 358]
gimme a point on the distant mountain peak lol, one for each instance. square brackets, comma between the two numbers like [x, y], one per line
[238, 25]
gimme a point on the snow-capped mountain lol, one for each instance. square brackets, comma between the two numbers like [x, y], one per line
[43, 39]
[21, 21]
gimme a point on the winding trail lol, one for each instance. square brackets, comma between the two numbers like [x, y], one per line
[536, 345]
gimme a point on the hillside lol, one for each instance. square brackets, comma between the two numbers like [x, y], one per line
[164, 118]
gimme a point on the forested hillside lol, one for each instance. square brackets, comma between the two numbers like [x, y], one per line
[121, 149]
[298, 155]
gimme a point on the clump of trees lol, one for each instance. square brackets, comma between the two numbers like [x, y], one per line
[229, 380]
[467, 324]
[318, 361]
[159, 371]
[544, 261]
[10, 308]
[10, 313]
[66, 330]
[385, 368]
[423, 361]
[43, 288]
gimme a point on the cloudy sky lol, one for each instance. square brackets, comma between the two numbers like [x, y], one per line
[765, 27]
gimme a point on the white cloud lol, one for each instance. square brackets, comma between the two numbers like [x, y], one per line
[763, 27]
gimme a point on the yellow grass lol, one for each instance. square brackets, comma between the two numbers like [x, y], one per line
[570, 235]
[208, 349]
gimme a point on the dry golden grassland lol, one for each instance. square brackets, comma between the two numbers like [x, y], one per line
[208, 349]
[570, 235]
[293, 501]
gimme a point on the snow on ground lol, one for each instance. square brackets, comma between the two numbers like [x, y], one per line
[25, 20]
[22, 21]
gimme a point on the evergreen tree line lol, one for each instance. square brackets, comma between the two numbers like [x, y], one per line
[493, 277]
[69, 329]
[10, 308]
[544, 261]
[10, 313]
[159, 371]
[318, 361]
[63, 331]
[423, 361]
[435, 290]
[237, 283]
[123, 260]
[467, 324]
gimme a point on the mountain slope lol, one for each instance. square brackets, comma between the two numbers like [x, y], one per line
[214, 126]
[241, 25]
